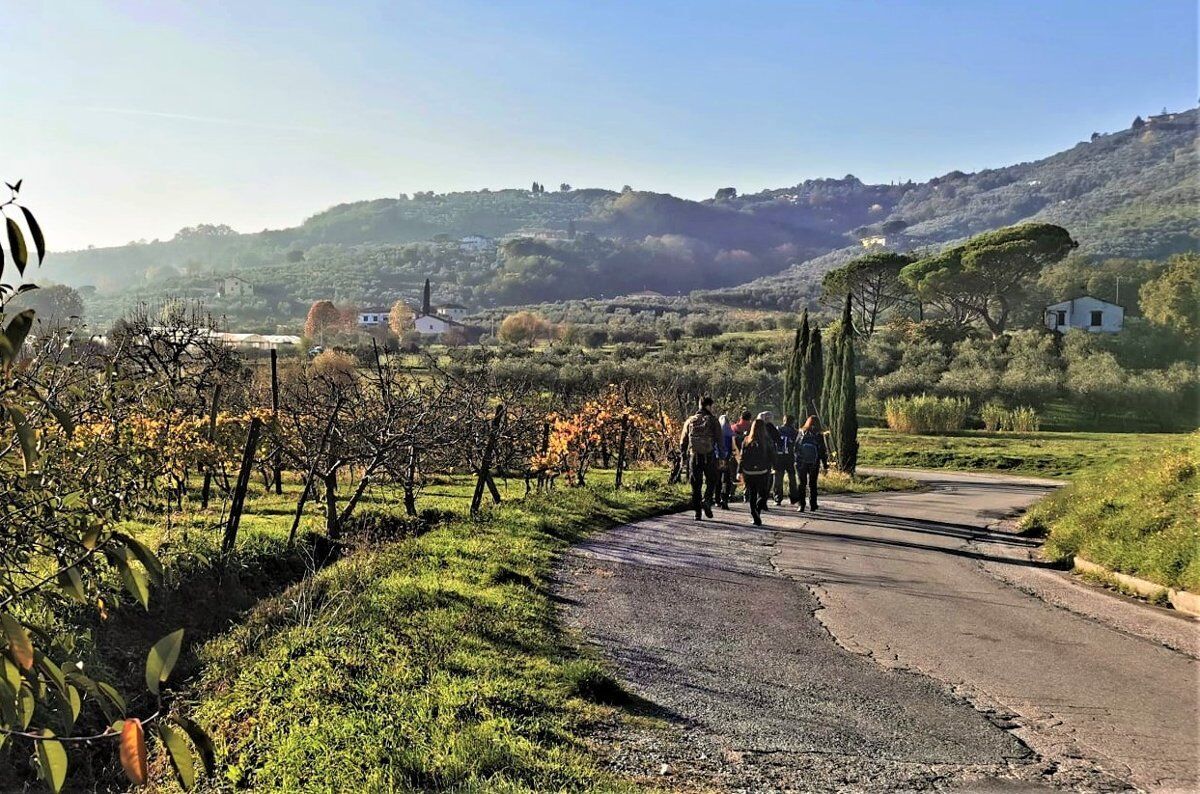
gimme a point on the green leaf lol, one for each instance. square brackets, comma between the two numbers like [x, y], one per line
[35, 231]
[14, 336]
[112, 695]
[52, 671]
[8, 704]
[26, 436]
[162, 658]
[26, 704]
[71, 583]
[12, 673]
[144, 556]
[181, 755]
[19, 644]
[16, 244]
[75, 702]
[134, 578]
[52, 759]
[208, 754]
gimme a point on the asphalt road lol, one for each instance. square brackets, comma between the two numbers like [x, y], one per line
[886, 642]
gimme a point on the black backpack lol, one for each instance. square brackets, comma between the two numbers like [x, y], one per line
[808, 453]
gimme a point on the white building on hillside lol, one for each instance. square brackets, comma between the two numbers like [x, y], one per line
[452, 311]
[234, 287]
[373, 317]
[1086, 314]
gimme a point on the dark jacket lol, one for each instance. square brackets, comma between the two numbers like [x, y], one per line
[787, 439]
[757, 458]
[815, 438]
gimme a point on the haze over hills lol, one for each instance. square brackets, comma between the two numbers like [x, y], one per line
[1131, 193]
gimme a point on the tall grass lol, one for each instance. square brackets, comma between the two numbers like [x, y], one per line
[926, 413]
[1140, 515]
[997, 418]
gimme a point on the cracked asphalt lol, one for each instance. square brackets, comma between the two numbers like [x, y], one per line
[888, 642]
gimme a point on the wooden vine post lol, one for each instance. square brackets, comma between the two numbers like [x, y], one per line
[410, 481]
[212, 435]
[484, 475]
[239, 491]
[621, 448]
[276, 458]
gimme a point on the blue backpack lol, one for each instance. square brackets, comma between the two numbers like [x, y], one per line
[808, 453]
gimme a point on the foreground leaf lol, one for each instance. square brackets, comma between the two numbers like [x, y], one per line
[19, 644]
[181, 755]
[162, 658]
[133, 751]
[52, 759]
[208, 753]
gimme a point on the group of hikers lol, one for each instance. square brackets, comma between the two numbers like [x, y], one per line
[719, 451]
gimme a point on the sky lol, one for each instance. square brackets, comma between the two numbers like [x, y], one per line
[131, 120]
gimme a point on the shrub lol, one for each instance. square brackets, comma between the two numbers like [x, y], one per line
[382, 526]
[926, 414]
[1014, 420]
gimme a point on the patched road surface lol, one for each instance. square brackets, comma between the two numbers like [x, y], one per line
[891, 641]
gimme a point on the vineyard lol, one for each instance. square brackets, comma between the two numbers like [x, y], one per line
[158, 485]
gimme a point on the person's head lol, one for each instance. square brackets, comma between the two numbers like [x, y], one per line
[706, 403]
[757, 430]
[789, 420]
[767, 417]
[747, 416]
[811, 424]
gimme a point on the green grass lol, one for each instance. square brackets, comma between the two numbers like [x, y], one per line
[1042, 454]
[1139, 516]
[837, 483]
[429, 663]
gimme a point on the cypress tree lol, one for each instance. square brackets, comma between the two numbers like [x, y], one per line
[813, 374]
[791, 375]
[794, 402]
[829, 390]
[847, 443]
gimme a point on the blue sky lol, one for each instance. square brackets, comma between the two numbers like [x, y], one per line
[132, 119]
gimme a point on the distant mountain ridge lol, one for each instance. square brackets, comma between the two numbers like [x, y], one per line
[1129, 193]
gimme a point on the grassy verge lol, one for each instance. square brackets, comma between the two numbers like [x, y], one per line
[1040, 454]
[836, 482]
[433, 662]
[1139, 515]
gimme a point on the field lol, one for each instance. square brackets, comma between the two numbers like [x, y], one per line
[1043, 454]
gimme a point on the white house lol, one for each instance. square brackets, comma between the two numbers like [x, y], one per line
[453, 311]
[432, 325]
[475, 243]
[234, 287]
[373, 317]
[1087, 314]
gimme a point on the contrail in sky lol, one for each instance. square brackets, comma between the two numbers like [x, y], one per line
[206, 119]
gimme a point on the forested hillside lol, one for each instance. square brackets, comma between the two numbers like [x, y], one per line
[1131, 193]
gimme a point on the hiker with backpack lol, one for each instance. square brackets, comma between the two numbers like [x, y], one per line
[698, 445]
[739, 428]
[772, 438]
[811, 455]
[758, 453]
[726, 463]
[785, 460]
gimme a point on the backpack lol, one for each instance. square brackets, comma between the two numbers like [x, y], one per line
[808, 453]
[701, 438]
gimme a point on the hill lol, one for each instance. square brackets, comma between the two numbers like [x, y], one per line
[1131, 193]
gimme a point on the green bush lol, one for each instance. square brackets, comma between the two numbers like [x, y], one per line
[1013, 420]
[926, 413]
[1140, 516]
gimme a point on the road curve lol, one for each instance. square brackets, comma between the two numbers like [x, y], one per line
[877, 644]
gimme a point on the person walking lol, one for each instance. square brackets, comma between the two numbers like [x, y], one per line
[757, 454]
[786, 460]
[772, 438]
[698, 444]
[740, 428]
[811, 455]
[727, 464]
